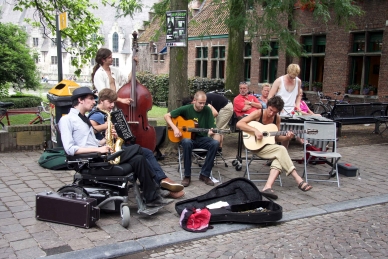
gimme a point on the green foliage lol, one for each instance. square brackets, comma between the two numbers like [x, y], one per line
[4, 90]
[23, 101]
[82, 32]
[17, 65]
[158, 85]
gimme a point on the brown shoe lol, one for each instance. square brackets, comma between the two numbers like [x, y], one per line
[186, 181]
[170, 185]
[205, 179]
[176, 195]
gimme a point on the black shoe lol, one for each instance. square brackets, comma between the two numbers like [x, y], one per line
[159, 202]
[186, 181]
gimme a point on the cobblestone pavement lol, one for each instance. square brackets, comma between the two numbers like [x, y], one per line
[22, 236]
[359, 233]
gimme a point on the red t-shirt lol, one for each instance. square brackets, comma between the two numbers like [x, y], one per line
[238, 104]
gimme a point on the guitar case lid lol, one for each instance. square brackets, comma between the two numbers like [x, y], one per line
[242, 195]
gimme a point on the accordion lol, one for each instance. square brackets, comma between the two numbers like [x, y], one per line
[121, 125]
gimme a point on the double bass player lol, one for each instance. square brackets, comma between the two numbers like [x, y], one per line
[105, 76]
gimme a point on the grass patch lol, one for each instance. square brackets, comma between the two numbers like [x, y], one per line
[158, 113]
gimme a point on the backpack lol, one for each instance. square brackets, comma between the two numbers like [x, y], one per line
[54, 159]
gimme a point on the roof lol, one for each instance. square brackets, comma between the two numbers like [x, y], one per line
[208, 21]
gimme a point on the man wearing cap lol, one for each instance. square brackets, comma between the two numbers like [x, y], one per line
[78, 137]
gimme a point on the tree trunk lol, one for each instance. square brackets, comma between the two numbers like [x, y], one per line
[235, 59]
[178, 87]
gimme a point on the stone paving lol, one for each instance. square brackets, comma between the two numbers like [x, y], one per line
[22, 236]
[359, 233]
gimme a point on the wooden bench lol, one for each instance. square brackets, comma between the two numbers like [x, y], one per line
[360, 113]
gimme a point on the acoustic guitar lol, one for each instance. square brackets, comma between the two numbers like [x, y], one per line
[187, 128]
[269, 132]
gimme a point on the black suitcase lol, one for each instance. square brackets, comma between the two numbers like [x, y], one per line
[245, 203]
[70, 210]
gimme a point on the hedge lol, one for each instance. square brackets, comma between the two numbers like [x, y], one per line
[158, 85]
[23, 101]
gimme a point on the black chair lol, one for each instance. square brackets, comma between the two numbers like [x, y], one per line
[109, 184]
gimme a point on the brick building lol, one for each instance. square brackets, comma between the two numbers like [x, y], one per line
[335, 57]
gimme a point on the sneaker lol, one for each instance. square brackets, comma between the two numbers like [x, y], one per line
[170, 185]
[176, 195]
[159, 202]
[186, 181]
[206, 180]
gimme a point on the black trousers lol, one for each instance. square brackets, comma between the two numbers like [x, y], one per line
[141, 169]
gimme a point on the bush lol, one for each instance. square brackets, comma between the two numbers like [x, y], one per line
[158, 85]
[23, 101]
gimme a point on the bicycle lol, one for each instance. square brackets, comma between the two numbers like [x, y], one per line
[4, 112]
[220, 92]
[325, 104]
[39, 119]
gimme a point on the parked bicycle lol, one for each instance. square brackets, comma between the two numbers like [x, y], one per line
[4, 113]
[40, 119]
[325, 104]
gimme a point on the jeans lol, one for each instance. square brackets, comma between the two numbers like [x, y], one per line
[153, 163]
[207, 143]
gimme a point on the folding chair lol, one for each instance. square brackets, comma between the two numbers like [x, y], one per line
[248, 174]
[198, 155]
[325, 136]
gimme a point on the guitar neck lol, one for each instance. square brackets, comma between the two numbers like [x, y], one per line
[282, 133]
[205, 130]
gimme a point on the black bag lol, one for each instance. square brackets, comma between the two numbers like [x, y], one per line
[54, 159]
[245, 203]
[67, 209]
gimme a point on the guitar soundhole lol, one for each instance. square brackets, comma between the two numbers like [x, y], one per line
[265, 134]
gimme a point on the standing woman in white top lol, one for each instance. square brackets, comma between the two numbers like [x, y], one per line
[106, 76]
[288, 87]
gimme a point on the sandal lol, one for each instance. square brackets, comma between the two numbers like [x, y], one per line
[269, 193]
[306, 188]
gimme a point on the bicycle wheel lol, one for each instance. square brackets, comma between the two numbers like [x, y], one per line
[1, 125]
[37, 121]
[319, 109]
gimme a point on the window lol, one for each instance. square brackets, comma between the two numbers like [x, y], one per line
[247, 61]
[36, 60]
[115, 62]
[365, 60]
[115, 43]
[312, 65]
[218, 62]
[53, 42]
[269, 63]
[35, 42]
[161, 57]
[201, 62]
[54, 60]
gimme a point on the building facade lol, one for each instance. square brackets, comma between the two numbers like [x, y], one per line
[335, 59]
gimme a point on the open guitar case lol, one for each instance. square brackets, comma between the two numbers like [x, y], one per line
[245, 204]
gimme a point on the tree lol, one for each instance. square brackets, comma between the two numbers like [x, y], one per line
[82, 32]
[269, 18]
[17, 64]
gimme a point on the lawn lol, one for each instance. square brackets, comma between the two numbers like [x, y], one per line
[155, 113]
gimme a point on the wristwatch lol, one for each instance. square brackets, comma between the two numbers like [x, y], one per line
[250, 103]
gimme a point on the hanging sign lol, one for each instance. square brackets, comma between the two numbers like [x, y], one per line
[176, 35]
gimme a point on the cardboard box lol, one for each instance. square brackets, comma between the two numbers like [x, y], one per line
[347, 169]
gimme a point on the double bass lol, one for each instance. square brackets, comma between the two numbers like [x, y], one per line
[136, 112]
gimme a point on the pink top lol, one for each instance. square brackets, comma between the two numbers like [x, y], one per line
[304, 107]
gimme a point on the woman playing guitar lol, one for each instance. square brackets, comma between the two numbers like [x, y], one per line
[277, 153]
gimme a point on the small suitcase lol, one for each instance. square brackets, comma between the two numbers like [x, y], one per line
[245, 203]
[68, 209]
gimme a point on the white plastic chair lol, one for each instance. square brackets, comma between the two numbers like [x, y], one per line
[325, 136]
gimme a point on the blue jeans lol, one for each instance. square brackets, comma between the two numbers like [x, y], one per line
[207, 143]
[156, 169]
